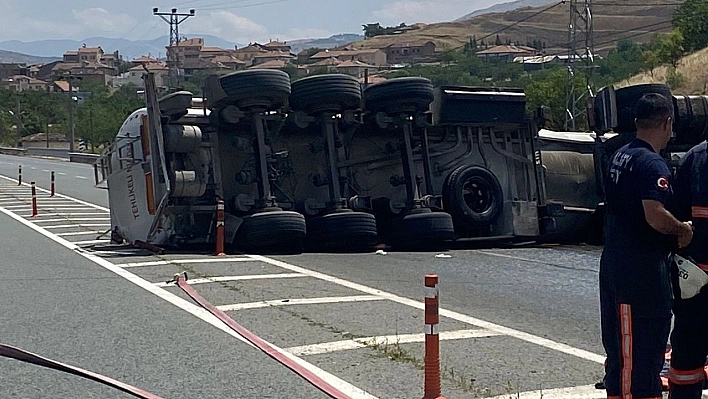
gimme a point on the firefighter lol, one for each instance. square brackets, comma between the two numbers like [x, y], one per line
[635, 292]
[689, 346]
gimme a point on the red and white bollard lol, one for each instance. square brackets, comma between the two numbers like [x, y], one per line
[432, 387]
[52, 191]
[34, 200]
[220, 226]
[19, 178]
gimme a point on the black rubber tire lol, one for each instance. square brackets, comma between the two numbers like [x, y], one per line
[421, 231]
[342, 232]
[627, 98]
[335, 92]
[272, 232]
[458, 204]
[394, 94]
[691, 125]
[271, 86]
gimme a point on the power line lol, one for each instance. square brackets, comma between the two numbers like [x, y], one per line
[262, 3]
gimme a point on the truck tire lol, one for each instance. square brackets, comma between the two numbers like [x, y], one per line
[472, 194]
[271, 87]
[691, 125]
[271, 232]
[627, 97]
[342, 232]
[414, 94]
[421, 230]
[334, 92]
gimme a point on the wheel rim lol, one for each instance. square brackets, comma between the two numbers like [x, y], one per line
[477, 194]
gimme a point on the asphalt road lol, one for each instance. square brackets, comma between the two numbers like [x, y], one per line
[516, 319]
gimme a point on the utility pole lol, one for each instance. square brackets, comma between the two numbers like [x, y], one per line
[174, 19]
[72, 110]
[19, 127]
[581, 60]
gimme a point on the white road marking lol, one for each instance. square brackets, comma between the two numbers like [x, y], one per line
[219, 279]
[69, 226]
[78, 233]
[50, 207]
[345, 387]
[71, 220]
[185, 262]
[580, 392]
[544, 342]
[299, 301]
[357, 343]
[81, 177]
[61, 195]
[46, 170]
[61, 174]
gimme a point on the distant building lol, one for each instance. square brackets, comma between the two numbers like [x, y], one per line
[20, 83]
[507, 53]
[356, 68]
[369, 56]
[185, 54]
[537, 62]
[135, 75]
[277, 46]
[248, 53]
[272, 56]
[46, 140]
[399, 53]
[272, 64]
[12, 69]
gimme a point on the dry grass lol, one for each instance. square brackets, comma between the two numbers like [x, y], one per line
[611, 23]
[692, 67]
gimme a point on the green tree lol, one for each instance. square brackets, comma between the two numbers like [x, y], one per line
[691, 19]
[549, 88]
[671, 50]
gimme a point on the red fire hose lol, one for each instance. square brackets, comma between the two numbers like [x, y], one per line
[264, 346]
[27, 357]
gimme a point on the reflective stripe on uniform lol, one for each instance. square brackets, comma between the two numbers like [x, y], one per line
[686, 377]
[699, 212]
[626, 346]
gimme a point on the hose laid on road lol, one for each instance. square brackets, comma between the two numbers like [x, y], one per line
[27, 357]
[270, 350]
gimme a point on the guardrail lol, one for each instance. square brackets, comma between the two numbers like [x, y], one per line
[13, 151]
[83, 158]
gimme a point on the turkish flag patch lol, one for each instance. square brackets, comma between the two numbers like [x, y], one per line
[663, 183]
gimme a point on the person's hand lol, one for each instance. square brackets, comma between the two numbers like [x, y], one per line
[686, 236]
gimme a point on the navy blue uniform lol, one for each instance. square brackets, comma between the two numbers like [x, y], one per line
[635, 290]
[688, 339]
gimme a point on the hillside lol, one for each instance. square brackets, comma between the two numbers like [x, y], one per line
[504, 7]
[693, 69]
[634, 19]
[13, 57]
[330, 42]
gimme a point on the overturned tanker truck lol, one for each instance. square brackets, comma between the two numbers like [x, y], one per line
[327, 165]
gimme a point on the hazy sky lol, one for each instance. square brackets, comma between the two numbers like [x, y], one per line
[239, 21]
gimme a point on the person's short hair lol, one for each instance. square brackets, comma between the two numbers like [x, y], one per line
[652, 110]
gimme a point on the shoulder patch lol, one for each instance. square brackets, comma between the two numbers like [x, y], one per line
[663, 183]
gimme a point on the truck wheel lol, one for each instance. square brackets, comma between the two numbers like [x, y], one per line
[421, 230]
[627, 97]
[342, 232]
[334, 92]
[473, 194]
[270, 87]
[394, 94]
[271, 232]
